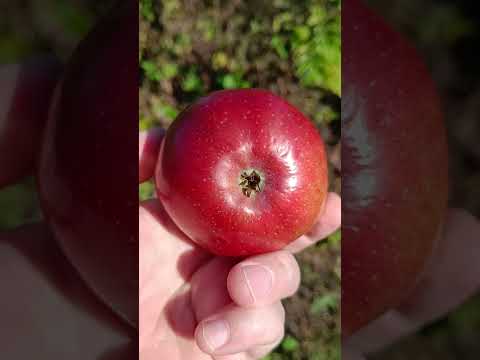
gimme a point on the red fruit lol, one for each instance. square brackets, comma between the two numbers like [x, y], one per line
[395, 167]
[88, 167]
[242, 172]
[25, 91]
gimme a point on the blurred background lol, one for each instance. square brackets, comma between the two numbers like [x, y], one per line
[192, 47]
[29, 29]
[447, 35]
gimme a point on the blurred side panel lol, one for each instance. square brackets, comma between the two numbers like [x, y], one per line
[410, 142]
[68, 179]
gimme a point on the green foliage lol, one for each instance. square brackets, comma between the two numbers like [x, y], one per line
[332, 352]
[17, 205]
[232, 81]
[191, 81]
[167, 111]
[151, 70]
[279, 43]
[335, 238]
[220, 60]
[323, 303]
[145, 123]
[313, 43]
[289, 344]
[146, 190]
[289, 47]
[146, 10]
[338, 268]
[154, 72]
[13, 48]
[467, 319]
[207, 28]
[75, 20]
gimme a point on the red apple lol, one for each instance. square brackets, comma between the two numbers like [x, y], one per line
[88, 172]
[395, 167]
[242, 172]
[25, 92]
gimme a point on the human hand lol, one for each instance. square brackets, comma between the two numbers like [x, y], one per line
[47, 311]
[197, 306]
[453, 275]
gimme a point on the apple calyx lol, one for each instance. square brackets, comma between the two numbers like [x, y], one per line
[251, 182]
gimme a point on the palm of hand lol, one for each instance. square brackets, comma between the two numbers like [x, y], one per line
[167, 319]
[182, 285]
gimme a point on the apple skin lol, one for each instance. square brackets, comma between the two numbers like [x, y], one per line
[394, 152]
[25, 92]
[209, 146]
[88, 172]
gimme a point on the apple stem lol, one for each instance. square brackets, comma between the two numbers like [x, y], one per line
[251, 182]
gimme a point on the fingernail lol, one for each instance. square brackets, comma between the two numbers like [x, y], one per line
[216, 333]
[259, 280]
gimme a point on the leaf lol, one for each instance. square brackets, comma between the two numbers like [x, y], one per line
[323, 303]
[145, 123]
[146, 10]
[233, 81]
[302, 33]
[335, 238]
[290, 344]
[278, 43]
[169, 71]
[151, 70]
[192, 81]
[165, 111]
[219, 60]
[146, 190]
[15, 203]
